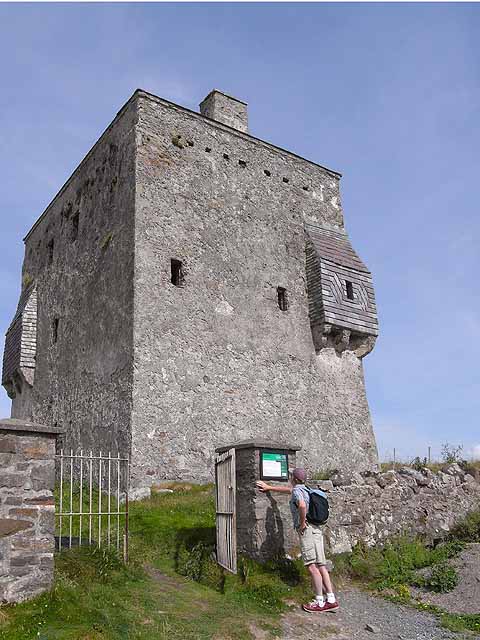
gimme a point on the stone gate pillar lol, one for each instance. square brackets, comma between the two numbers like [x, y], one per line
[27, 508]
[263, 520]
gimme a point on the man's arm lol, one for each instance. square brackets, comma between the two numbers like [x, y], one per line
[263, 486]
[302, 511]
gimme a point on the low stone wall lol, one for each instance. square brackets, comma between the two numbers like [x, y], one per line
[373, 507]
[27, 509]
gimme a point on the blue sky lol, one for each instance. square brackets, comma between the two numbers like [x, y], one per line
[388, 94]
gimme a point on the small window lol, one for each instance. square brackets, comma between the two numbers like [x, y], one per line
[74, 232]
[242, 163]
[55, 330]
[282, 298]
[50, 249]
[267, 172]
[177, 277]
[349, 289]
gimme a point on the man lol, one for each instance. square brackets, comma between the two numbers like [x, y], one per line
[311, 541]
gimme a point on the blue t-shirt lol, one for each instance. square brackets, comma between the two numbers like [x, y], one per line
[299, 492]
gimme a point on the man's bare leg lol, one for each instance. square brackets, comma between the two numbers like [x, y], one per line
[326, 578]
[317, 581]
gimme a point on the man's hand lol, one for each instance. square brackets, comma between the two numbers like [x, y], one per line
[302, 527]
[263, 486]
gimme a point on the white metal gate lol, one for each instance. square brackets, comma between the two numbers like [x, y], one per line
[226, 510]
[92, 500]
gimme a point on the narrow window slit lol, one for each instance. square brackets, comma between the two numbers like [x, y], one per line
[282, 298]
[177, 277]
[349, 286]
[50, 248]
[55, 330]
[75, 221]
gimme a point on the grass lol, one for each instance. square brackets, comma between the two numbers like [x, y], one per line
[323, 474]
[172, 588]
[105, 241]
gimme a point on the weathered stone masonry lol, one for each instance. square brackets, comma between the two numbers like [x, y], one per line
[374, 507]
[27, 509]
[259, 332]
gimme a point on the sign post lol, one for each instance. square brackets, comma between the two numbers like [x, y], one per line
[263, 527]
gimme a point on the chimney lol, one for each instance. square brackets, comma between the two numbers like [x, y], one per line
[223, 108]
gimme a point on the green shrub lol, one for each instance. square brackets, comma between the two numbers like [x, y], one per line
[266, 591]
[443, 578]
[448, 549]
[451, 453]
[419, 463]
[27, 280]
[468, 530]
[395, 564]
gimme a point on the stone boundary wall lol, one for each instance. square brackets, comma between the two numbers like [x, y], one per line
[27, 509]
[372, 507]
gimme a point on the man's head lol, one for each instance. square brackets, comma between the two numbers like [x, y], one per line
[299, 475]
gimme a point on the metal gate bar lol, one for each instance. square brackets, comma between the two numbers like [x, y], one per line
[109, 476]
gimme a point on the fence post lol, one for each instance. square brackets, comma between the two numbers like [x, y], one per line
[27, 508]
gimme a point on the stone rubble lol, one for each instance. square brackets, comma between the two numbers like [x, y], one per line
[372, 507]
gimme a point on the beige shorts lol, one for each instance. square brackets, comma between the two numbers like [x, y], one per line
[311, 545]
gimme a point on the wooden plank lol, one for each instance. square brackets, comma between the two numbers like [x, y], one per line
[351, 310]
[329, 267]
[350, 313]
[226, 510]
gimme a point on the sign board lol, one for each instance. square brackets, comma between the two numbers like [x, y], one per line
[274, 465]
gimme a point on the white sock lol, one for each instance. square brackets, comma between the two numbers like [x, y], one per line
[331, 597]
[320, 600]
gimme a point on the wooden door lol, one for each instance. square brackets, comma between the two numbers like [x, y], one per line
[226, 510]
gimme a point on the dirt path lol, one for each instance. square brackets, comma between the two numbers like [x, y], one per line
[358, 609]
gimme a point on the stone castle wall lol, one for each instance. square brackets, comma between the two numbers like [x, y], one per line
[124, 358]
[79, 255]
[375, 507]
[216, 360]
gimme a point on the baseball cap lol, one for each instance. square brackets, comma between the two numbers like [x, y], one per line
[299, 474]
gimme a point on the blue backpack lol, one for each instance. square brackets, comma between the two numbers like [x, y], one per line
[318, 509]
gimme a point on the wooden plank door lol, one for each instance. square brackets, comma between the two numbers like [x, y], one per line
[226, 510]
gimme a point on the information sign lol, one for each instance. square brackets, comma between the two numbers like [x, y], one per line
[274, 465]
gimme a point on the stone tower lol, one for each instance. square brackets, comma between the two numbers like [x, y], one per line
[191, 285]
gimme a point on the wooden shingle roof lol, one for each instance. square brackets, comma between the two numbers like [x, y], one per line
[334, 245]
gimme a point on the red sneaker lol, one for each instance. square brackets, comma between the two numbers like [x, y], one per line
[331, 606]
[313, 607]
